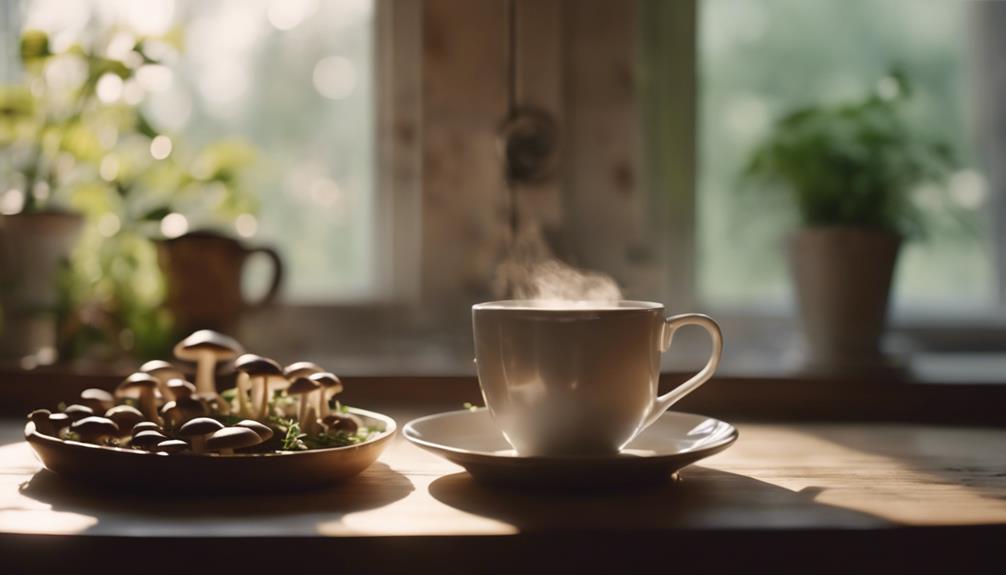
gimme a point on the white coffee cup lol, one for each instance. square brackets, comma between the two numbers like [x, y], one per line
[576, 380]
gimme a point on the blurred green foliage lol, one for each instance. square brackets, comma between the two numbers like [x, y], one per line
[853, 164]
[759, 60]
[74, 136]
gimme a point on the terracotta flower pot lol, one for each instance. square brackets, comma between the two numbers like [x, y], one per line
[34, 248]
[842, 277]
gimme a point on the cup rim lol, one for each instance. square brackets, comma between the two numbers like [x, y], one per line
[620, 306]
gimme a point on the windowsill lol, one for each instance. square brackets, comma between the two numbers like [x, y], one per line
[385, 340]
[388, 353]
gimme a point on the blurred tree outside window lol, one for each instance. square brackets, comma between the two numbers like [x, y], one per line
[292, 78]
[759, 59]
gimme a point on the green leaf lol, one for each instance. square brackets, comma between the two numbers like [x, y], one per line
[155, 215]
[854, 164]
[34, 46]
[143, 126]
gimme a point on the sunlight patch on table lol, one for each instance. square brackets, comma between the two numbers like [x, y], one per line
[909, 489]
[44, 521]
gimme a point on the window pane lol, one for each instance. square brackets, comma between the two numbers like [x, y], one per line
[293, 78]
[761, 58]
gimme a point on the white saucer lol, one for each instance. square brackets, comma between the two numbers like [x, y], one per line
[471, 440]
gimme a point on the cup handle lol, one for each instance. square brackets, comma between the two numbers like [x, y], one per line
[671, 325]
[277, 275]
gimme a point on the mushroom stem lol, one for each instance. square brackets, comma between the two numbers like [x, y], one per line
[322, 402]
[311, 426]
[243, 385]
[264, 406]
[204, 374]
[302, 412]
[162, 386]
[198, 443]
[223, 408]
[148, 405]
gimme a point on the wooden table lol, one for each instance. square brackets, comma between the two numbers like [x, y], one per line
[879, 496]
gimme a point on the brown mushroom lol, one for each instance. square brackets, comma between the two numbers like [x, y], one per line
[172, 446]
[242, 387]
[197, 430]
[125, 416]
[142, 386]
[182, 410]
[226, 440]
[301, 369]
[145, 426]
[163, 372]
[180, 389]
[263, 430]
[302, 387]
[78, 412]
[95, 429]
[98, 400]
[342, 422]
[40, 417]
[59, 422]
[147, 439]
[265, 374]
[207, 348]
[328, 385]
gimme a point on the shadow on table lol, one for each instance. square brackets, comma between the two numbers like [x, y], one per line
[701, 498]
[376, 487]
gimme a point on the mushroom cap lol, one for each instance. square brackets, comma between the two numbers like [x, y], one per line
[161, 369]
[94, 427]
[181, 388]
[232, 438]
[145, 426]
[135, 384]
[301, 369]
[78, 411]
[97, 399]
[205, 340]
[327, 380]
[263, 430]
[301, 385]
[186, 408]
[172, 446]
[39, 413]
[341, 422]
[59, 420]
[125, 416]
[147, 439]
[199, 426]
[40, 417]
[258, 366]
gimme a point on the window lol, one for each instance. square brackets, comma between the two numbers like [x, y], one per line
[761, 58]
[379, 175]
[292, 78]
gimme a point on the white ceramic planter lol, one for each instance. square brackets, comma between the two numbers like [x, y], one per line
[33, 248]
[842, 278]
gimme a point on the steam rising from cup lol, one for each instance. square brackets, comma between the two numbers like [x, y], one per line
[531, 272]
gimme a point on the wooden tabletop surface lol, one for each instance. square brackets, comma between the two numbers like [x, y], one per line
[820, 478]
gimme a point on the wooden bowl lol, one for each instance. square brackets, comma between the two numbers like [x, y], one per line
[243, 472]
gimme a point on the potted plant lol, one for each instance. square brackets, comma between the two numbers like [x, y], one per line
[78, 148]
[38, 230]
[851, 171]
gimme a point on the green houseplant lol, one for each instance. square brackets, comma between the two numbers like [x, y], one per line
[851, 171]
[77, 146]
